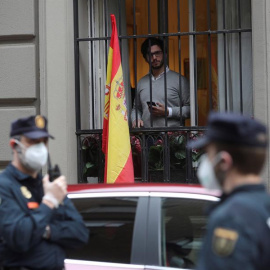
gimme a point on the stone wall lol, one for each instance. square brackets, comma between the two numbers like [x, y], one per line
[19, 61]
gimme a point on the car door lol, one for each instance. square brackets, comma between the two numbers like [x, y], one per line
[117, 227]
[177, 224]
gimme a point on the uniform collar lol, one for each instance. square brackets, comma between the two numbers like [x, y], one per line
[17, 174]
[245, 188]
[237, 190]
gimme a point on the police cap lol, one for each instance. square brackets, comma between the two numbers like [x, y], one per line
[232, 128]
[33, 127]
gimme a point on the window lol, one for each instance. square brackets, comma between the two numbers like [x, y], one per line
[184, 225]
[206, 42]
[110, 222]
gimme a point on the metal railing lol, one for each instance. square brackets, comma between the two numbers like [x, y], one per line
[158, 155]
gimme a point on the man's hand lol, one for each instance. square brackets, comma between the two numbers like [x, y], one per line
[140, 123]
[158, 110]
[54, 192]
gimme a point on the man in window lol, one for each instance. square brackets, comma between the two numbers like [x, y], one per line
[177, 91]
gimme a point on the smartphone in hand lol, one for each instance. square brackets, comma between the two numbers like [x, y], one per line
[149, 103]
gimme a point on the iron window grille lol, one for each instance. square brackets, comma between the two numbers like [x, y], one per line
[219, 75]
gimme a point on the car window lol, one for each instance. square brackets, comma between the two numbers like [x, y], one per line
[183, 226]
[110, 222]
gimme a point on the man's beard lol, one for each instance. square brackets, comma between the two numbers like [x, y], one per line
[158, 66]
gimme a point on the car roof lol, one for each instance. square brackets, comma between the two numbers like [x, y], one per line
[141, 187]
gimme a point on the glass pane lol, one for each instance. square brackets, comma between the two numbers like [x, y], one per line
[146, 17]
[110, 222]
[178, 19]
[230, 17]
[184, 228]
[234, 53]
[202, 76]
[206, 15]
[177, 46]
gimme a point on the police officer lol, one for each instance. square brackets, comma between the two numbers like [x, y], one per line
[238, 231]
[37, 220]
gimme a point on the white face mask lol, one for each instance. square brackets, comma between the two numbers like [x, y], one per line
[206, 173]
[33, 157]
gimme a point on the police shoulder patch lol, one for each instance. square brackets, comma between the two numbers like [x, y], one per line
[224, 241]
[25, 192]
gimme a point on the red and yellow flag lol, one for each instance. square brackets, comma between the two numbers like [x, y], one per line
[115, 137]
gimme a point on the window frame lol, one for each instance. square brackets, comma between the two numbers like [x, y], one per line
[190, 170]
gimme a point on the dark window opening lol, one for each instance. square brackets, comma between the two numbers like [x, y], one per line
[207, 43]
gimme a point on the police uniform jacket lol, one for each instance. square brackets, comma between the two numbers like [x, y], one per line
[238, 235]
[23, 218]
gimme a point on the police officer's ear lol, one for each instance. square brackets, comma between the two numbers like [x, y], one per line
[225, 161]
[13, 144]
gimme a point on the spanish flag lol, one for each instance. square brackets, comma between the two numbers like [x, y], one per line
[115, 137]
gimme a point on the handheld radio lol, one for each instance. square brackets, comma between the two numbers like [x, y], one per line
[54, 172]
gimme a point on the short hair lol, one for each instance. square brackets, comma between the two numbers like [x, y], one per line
[151, 42]
[246, 160]
[16, 137]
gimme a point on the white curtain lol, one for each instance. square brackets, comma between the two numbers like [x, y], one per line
[229, 53]
[97, 60]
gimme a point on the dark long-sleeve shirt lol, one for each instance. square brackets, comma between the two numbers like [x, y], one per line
[23, 218]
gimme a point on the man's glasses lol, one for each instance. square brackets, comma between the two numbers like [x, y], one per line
[156, 54]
